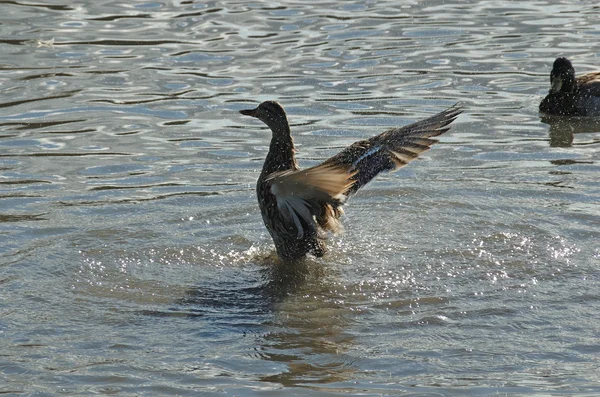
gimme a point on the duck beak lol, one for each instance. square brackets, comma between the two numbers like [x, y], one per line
[249, 112]
[556, 84]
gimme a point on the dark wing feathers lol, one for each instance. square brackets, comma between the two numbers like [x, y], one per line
[393, 148]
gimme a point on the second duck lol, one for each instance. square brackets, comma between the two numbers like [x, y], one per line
[570, 95]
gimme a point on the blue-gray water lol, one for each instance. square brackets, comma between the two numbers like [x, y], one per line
[133, 259]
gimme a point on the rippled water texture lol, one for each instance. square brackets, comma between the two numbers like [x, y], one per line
[133, 259]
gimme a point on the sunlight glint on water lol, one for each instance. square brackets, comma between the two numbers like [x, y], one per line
[133, 256]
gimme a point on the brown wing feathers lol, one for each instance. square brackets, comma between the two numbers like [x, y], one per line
[394, 148]
[316, 191]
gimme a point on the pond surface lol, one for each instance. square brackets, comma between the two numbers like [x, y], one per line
[133, 259]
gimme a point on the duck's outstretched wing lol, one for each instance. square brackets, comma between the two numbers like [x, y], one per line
[392, 149]
[314, 195]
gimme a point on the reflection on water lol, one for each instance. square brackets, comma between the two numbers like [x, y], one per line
[309, 332]
[133, 259]
[306, 323]
[563, 129]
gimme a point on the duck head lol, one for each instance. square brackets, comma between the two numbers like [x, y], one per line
[272, 114]
[562, 77]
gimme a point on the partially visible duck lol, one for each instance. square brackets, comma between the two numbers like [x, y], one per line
[298, 206]
[570, 95]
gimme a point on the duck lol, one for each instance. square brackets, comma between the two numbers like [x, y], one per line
[570, 95]
[302, 207]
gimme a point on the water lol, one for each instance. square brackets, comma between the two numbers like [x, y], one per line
[133, 256]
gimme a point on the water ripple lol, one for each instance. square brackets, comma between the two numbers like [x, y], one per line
[131, 242]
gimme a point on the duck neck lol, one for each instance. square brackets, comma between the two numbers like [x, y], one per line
[281, 151]
[568, 84]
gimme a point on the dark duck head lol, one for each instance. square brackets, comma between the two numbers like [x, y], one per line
[272, 114]
[562, 77]
[298, 206]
